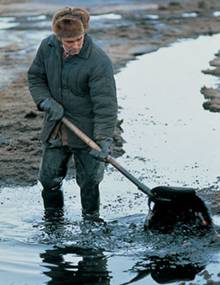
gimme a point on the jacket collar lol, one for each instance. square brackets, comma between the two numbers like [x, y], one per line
[84, 52]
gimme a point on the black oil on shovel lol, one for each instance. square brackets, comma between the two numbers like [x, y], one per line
[172, 206]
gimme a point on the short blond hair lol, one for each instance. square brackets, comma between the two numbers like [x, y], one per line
[70, 22]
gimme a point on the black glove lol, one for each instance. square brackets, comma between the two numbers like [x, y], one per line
[105, 145]
[54, 109]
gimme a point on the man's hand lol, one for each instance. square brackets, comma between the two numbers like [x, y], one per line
[54, 109]
[105, 145]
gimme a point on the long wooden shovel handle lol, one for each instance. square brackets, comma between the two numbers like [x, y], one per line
[81, 134]
[109, 159]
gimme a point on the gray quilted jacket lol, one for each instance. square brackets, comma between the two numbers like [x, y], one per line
[84, 85]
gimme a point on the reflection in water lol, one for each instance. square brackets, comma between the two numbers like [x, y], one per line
[74, 265]
[174, 258]
[165, 270]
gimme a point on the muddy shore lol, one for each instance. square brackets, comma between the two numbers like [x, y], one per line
[142, 28]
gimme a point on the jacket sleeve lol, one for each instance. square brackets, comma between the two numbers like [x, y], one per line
[37, 78]
[103, 95]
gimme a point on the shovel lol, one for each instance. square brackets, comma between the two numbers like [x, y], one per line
[171, 205]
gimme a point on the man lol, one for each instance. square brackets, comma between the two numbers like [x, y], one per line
[72, 77]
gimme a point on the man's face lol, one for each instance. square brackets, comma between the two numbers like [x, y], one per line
[73, 45]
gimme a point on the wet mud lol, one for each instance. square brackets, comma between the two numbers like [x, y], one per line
[212, 95]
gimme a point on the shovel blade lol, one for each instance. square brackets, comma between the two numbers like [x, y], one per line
[170, 193]
[183, 210]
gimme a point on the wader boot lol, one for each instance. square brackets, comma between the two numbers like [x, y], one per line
[90, 204]
[53, 203]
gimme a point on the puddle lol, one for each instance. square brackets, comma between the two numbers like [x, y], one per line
[190, 15]
[37, 18]
[110, 16]
[7, 22]
[170, 140]
[216, 14]
[152, 17]
[21, 263]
